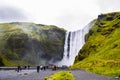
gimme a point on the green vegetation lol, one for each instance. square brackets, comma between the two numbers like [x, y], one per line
[101, 52]
[65, 75]
[28, 43]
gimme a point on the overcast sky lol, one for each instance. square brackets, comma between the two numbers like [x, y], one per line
[69, 14]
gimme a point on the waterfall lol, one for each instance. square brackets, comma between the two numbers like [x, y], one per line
[73, 43]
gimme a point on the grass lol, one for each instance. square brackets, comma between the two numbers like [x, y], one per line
[63, 75]
[99, 66]
[102, 49]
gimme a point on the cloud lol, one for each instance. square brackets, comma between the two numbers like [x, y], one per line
[11, 14]
[69, 14]
[109, 5]
[72, 21]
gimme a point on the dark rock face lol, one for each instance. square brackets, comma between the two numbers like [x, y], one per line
[29, 43]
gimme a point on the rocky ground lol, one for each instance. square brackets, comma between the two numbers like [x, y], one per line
[33, 75]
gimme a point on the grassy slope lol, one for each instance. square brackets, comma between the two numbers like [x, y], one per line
[14, 36]
[63, 75]
[5, 32]
[101, 53]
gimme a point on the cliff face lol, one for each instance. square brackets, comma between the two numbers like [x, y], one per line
[101, 52]
[29, 43]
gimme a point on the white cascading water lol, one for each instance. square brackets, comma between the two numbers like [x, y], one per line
[73, 43]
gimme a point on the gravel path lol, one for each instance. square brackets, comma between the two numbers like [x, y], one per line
[83, 75]
[25, 75]
[33, 75]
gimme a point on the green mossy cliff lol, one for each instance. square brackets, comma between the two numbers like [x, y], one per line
[30, 44]
[101, 52]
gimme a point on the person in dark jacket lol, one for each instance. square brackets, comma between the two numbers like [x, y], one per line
[19, 69]
[38, 68]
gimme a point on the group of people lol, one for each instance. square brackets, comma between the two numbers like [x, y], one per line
[53, 67]
[41, 68]
[19, 68]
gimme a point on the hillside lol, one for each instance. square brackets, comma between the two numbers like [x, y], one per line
[30, 44]
[101, 52]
